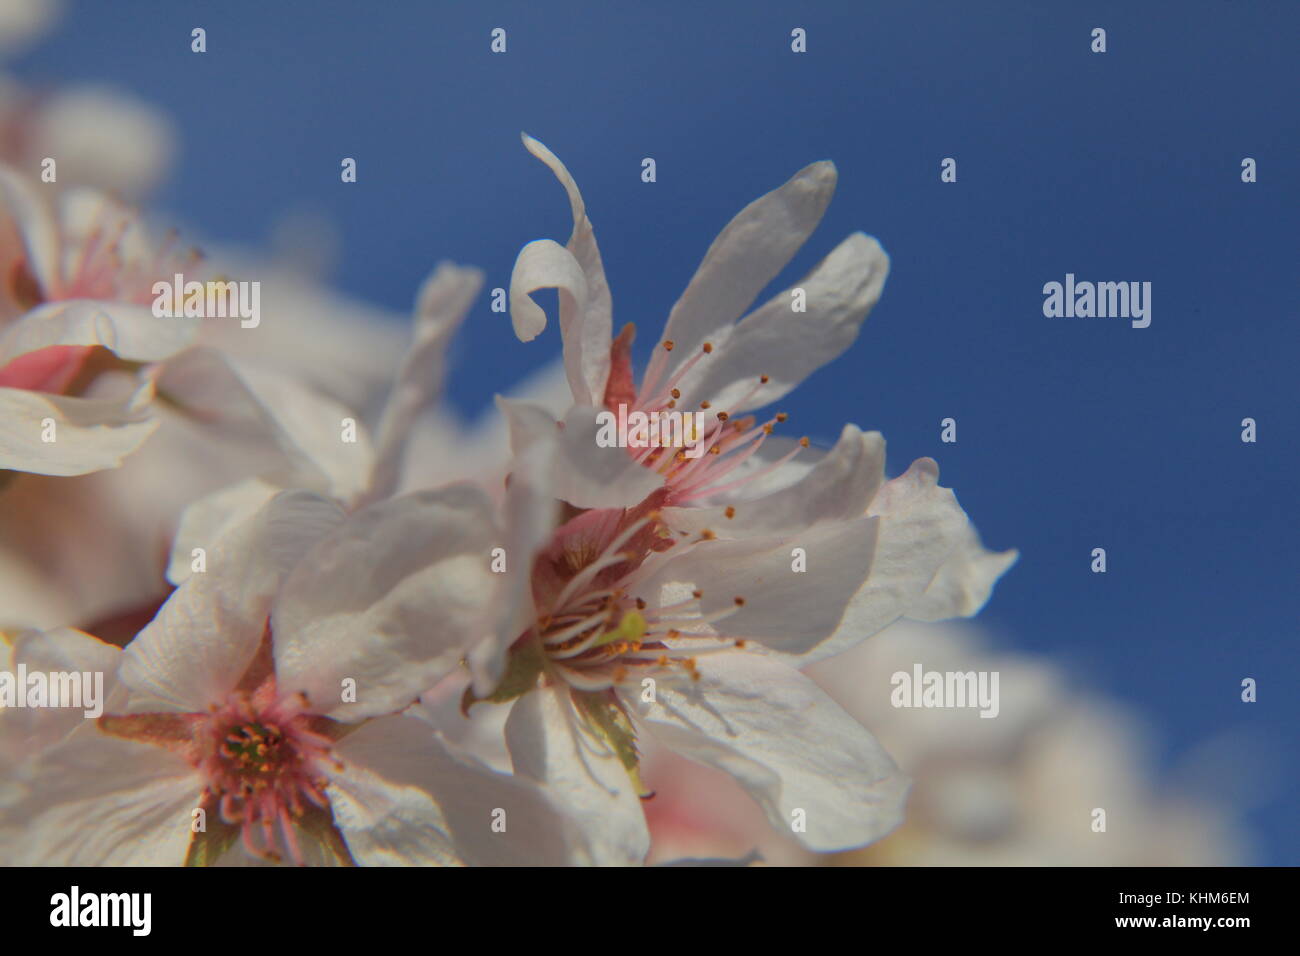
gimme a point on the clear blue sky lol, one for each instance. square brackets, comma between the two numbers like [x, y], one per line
[1072, 433]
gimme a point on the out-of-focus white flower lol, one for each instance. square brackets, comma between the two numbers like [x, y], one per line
[310, 432]
[267, 694]
[22, 22]
[1019, 789]
[95, 547]
[97, 136]
[73, 278]
[336, 345]
[265, 412]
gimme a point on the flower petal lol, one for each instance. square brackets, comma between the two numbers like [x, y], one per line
[589, 336]
[785, 345]
[786, 609]
[305, 427]
[545, 264]
[105, 139]
[964, 582]
[548, 745]
[746, 256]
[90, 434]
[583, 472]
[922, 528]
[391, 599]
[441, 306]
[488, 818]
[531, 513]
[100, 801]
[61, 650]
[790, 746]
[209, 518]
[387, 823]
[26, 213]
[839, 487]
[197, 648]
[130, 332]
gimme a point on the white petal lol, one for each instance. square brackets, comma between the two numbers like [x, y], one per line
[588, 338]
[204, 522]
[545, 264]
[64, 649]
[406, 754]
[595, 476]
[334, 345]
[964, 582]
[131, 332]
[921, 529]
[785, 609]
[584, 473]
[839, 487]
[23, 21]
[27, 730]
[786, 345]
[387, 822]
[33, 219]
[480, 733]
[197, 648]
[531, 513]
[90, 434]
[441, 306]
[746, 256]
[392, 599]
[303, 426]
[549, 746]
[101, 801]
[789, 745]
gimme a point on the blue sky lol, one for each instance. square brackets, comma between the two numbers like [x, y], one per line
[1072, 433]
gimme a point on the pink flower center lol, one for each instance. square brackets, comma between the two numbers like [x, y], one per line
[264, 764]
[596, 634]
[727, 443]
[107, 267]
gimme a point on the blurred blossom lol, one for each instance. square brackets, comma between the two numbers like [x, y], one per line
[1016, 790]
[273, 541]
[93, 549]
[22, 22]
[98, 137]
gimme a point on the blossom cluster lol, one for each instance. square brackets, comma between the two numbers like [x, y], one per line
[334, 627]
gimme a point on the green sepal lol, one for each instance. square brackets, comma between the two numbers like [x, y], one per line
[607, 720]
[523, 667]
[208, 845]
